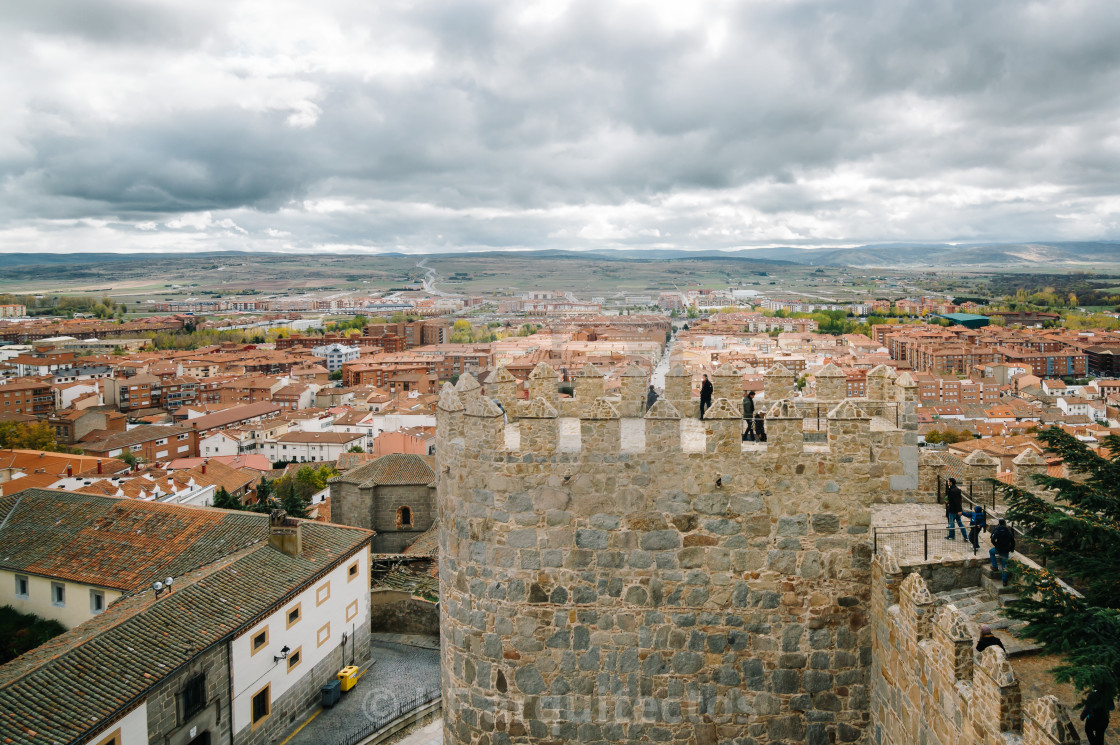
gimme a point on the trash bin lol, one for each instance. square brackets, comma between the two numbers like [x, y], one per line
[348, 677]
[330, 694]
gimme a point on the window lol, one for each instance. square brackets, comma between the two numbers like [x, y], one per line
[352, 571]
[259, 642]
[324, 634]
[113, 739]
[352, 610]
[323, 593]
[404, 517]
[96, 601]
[293, 615]
[193, 696]
[262, 705]
[294, 658]
[23, 587]
[58, 594]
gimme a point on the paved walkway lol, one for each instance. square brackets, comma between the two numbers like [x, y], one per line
[399, 671]
[429, 734]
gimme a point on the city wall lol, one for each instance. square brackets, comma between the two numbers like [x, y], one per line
[929, 685]
[641, 576]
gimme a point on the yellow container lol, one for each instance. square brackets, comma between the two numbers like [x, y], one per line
[348, 677]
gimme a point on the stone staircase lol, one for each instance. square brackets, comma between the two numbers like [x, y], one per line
[985, 604]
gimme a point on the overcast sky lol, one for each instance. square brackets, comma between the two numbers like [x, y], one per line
[423, 126]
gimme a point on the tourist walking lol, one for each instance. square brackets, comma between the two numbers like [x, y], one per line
[1003, 543]
[954, 509]
[651, 397]
[977, 522]
[759, 426]
[705, 396]
[748, 416]
[1095, 715]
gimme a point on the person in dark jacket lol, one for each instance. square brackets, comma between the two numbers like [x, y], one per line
[954, 509]
[748, 415]
[977, 522]
[1003, 543]
[705, 396]
[1095, 715]
[988, 639]
[759, 425]
[651, 397]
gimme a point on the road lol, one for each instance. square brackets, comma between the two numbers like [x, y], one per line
[430, 280]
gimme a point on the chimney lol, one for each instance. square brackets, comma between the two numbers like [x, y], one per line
[69, 470]
[204, 462]
[99, 466]
[285, 533]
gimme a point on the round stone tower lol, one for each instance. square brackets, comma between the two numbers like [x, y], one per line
[609, 579]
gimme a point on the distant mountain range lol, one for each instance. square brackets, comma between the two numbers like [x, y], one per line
[977, 256]
[989, 256]
[1043, 256]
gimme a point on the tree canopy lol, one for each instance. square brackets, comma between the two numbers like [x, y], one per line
[1078, 532]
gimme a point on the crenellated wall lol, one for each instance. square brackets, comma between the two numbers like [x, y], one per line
[608, 578]
[929, 685]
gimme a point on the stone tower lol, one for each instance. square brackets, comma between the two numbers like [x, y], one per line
[608, 578]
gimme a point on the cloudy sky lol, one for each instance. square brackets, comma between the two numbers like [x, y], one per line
[420, 125]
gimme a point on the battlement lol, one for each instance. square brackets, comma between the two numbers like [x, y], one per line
[961, 697]
[501, 425]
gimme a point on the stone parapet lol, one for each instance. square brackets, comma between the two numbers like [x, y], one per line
[928, 684]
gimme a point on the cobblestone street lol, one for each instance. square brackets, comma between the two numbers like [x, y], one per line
[399, 672]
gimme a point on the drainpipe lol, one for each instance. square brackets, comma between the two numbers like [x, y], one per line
[229, 686]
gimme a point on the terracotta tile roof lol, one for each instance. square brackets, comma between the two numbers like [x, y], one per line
[395, 469]
[63, 690]
[133, 436]
[124, 544]
[427, 544]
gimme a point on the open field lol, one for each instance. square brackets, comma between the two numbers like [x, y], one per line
[137, 279]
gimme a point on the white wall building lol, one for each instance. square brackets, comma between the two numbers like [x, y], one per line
[336, 354]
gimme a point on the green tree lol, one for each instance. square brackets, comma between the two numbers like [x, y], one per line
[1078, 531]
[226, 501]
[266, 502]
[129, 458]
[356, 449]
[293, 503]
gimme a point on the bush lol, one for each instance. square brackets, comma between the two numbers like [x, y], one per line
[22, 632]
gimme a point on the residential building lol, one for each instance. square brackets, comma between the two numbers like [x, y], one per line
[148, 442]
[336, 354]
[311, 447]
[262, 611]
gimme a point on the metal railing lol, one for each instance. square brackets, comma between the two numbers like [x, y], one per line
[384, 716]
[926, 541]
[976, 492]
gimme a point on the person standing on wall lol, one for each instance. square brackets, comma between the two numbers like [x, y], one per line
[954, 509]
[759, 426]
[1003, 543]
[705, 396]
[748, 416]
[651, 397]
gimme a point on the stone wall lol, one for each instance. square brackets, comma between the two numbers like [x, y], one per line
[928, 684]
[612, 592]
[166, 718]
[376, 508]
[396, 612]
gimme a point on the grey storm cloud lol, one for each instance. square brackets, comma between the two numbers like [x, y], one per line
[467, 124]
